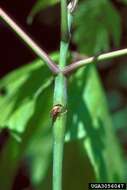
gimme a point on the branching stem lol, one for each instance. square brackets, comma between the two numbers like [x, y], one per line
[25, 37]
[105, 56]
[65, 36]
[59, 111]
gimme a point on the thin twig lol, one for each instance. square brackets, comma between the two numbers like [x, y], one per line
[70, 68]
[41, 53]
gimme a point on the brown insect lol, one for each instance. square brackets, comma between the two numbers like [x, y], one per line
[56, 111]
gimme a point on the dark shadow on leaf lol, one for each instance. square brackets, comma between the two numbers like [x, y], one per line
[28, 89]
[40, 123]
[4, 135]
[23, 97]
[79, 109]
[3, 91]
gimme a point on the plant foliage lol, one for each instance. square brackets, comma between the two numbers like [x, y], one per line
[26, 101]
[96, 24]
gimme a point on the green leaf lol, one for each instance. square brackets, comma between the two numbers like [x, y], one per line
[88, 119]
[39, 153]
[22, 89]
[39, 5]
[39, 138]
[25, 88]
[96, 24]
[25, 111]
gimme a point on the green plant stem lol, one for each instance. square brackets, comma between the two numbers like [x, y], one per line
[64, 21]
[41, 53]
[60, 98]
[105, 56]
